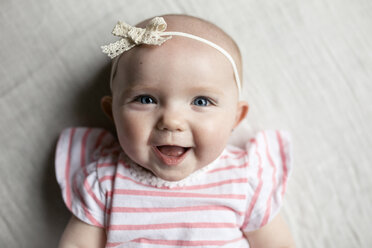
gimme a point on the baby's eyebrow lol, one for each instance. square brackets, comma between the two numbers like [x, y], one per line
[137, 88]
[204, 90]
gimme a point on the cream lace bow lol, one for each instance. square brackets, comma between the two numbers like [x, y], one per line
[132, 36]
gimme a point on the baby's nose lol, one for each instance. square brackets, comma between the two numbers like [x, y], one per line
[171, 120]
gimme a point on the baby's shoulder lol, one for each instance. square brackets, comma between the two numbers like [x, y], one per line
[266, 159]
[265, 153]
[89, 153]
[265, 143]
[85, 163]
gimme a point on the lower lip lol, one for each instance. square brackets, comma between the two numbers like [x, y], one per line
[170, 160]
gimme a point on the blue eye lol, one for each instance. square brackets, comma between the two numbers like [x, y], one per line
[145, 99]
[201, 101]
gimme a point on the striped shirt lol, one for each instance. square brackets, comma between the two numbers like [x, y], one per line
[240, 191]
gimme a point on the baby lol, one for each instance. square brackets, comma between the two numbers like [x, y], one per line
[168, 177]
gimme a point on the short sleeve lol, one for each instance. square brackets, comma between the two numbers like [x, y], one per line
[269, 166]
[77, 174]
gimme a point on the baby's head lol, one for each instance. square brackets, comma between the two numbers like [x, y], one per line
[175, 105]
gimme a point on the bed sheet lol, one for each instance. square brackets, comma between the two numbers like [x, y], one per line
[307, 69]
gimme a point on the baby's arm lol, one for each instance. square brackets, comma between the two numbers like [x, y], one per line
[81, 235]
[273, 235]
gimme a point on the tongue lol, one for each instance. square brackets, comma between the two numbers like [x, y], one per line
[173, 151]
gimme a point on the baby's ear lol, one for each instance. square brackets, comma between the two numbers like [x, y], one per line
[106, 105]
[242, 112]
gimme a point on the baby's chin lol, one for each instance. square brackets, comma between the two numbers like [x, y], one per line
[172, 176]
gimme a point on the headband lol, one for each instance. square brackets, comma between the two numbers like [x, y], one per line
[154, 34]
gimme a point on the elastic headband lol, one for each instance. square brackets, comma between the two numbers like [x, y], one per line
[154, 34]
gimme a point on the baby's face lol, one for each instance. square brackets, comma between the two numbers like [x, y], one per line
[174, 106]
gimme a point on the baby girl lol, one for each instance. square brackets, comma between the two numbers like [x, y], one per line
[168, 178]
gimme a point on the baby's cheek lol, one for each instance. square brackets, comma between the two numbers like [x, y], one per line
[210, 142]
[127, 134]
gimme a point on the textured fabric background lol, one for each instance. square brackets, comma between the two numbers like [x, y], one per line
[307, 69]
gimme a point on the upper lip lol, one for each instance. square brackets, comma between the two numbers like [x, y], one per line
[168, 139]
[169, 144]
[172, 145]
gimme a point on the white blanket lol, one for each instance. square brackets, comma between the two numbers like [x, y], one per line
[307, 69]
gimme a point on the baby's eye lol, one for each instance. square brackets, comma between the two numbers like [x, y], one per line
[145, 99]
[201, 101]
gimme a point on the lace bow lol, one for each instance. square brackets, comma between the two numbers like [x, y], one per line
[132, 36]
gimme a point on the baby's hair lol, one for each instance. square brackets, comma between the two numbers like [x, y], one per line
[199, 27]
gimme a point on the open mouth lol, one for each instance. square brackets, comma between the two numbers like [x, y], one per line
[171, 155]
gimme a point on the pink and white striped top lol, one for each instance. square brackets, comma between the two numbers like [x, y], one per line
[239, 192]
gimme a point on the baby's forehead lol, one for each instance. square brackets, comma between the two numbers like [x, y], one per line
[186, 58]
